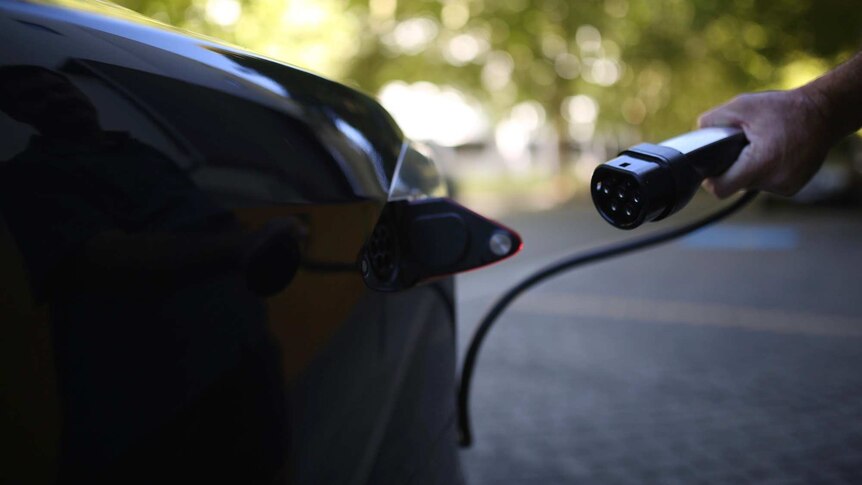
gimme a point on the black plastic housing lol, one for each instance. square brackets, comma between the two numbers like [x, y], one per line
[650, 182]
[421, 240]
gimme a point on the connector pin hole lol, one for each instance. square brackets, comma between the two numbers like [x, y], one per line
[626, 164]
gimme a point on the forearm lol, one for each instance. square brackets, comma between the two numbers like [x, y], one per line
[838, 95]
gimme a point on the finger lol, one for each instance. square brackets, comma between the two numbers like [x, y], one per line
[709, 186]
[730, 113]
[742, 174]
[721, 116]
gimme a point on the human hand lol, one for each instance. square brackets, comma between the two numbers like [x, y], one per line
[788, 138]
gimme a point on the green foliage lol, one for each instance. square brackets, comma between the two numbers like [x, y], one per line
[651, 65]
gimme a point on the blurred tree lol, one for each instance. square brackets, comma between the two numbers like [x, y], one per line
[655, 64]
[617, 68]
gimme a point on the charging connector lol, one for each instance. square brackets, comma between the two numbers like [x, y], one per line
[650, 182]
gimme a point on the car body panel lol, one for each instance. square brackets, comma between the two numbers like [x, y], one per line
[28, 382]
[196, 145]
[226, 93]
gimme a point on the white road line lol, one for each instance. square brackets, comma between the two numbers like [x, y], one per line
[687, 313]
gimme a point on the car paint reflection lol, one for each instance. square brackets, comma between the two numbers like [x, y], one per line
[131, 257]
[127, 246]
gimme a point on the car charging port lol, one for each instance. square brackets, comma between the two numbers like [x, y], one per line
[417, 241]
[382, 251]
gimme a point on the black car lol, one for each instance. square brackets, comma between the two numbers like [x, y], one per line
[215, 267]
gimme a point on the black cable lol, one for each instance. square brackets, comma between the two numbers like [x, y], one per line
[464, 427]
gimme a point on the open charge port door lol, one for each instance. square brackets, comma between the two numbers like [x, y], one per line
[417, 241]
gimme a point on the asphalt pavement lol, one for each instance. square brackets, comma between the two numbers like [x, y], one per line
[733, 356]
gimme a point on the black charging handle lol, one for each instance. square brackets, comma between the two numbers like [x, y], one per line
[650, 182]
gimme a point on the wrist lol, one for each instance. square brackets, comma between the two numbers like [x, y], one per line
[839, 97]
[821, 112]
